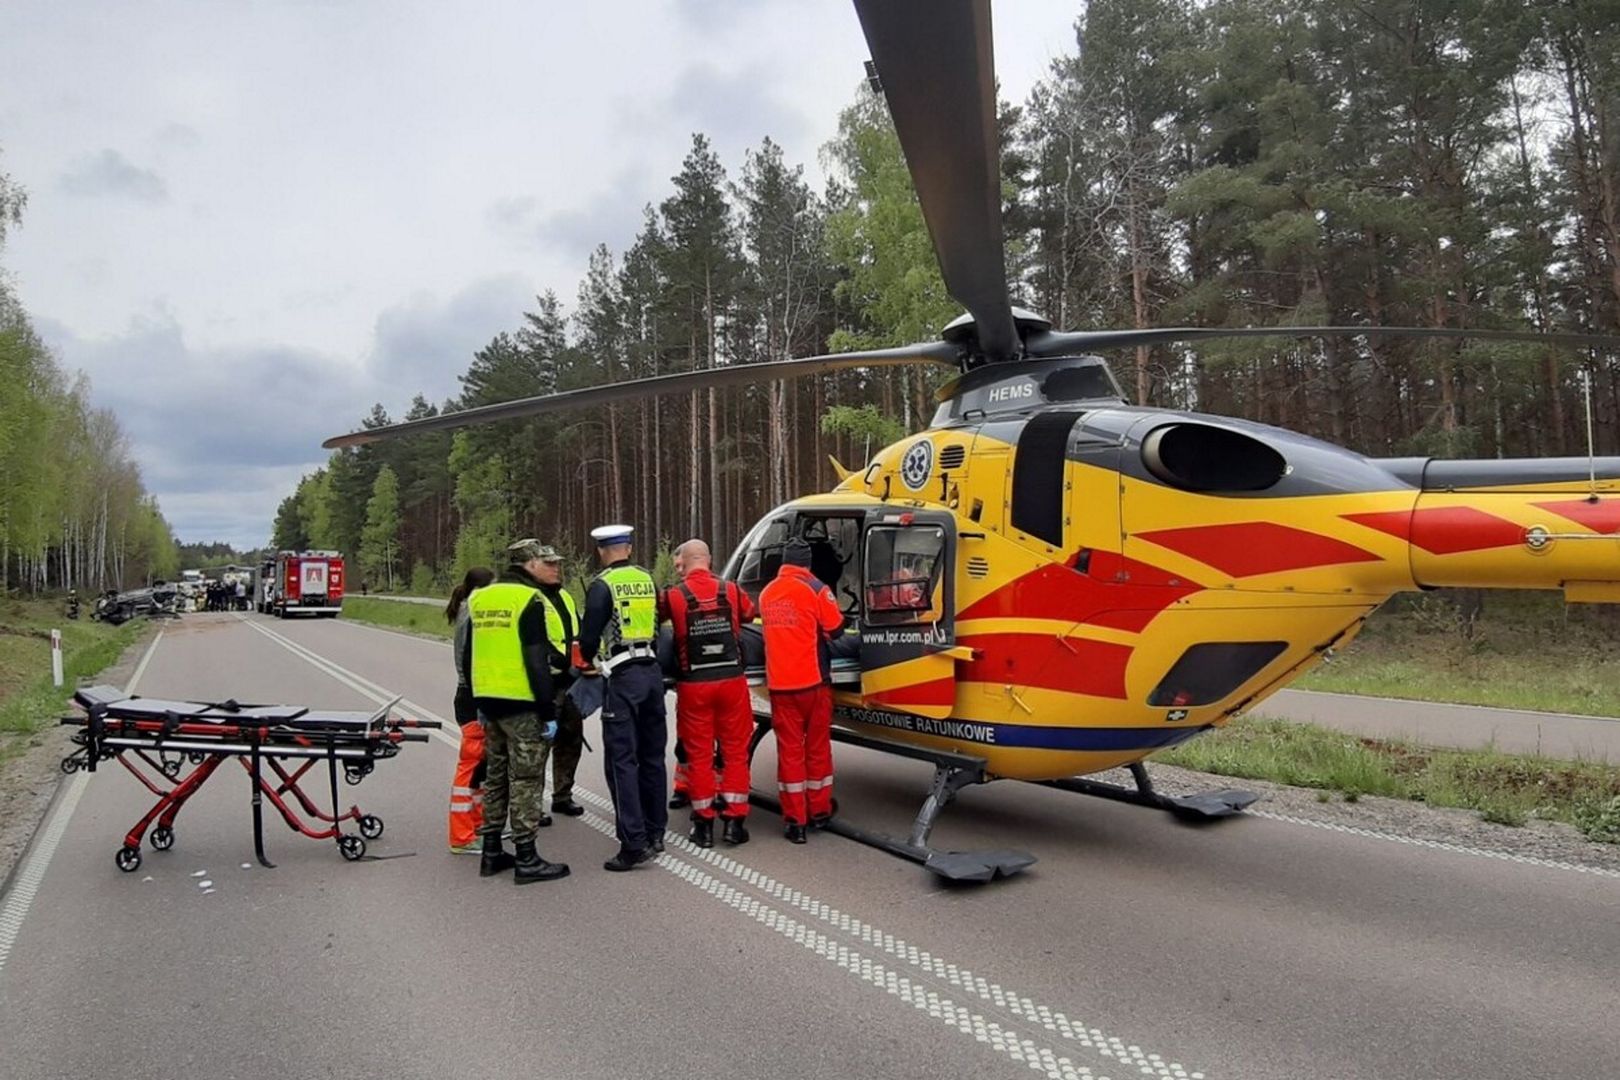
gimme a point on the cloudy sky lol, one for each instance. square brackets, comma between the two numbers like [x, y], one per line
[248, 221]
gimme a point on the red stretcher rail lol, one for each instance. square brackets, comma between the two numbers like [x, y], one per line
[277, 745]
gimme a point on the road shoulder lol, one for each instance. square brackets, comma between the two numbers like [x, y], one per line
[29, 781]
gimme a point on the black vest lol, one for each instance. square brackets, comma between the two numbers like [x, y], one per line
[712, 651]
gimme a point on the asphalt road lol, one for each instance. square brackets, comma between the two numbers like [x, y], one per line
[1138, 946]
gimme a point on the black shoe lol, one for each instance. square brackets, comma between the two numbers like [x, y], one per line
[531, 867]
[736, 832]
[627, 860]
[795, 833]
[655, 844]
[495, 861]
[544, 820]
[821, 821]
[680, 801]
[702, 833]
[566, 807]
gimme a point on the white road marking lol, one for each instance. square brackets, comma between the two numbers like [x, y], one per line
[1440, 845]
[1020, 1049]
[1019, 1005]
[1004, 1040]
[32, 870]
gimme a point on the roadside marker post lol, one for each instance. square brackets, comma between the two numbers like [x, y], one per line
[56, 657]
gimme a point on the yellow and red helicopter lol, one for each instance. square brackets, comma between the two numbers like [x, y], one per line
[1049, 582]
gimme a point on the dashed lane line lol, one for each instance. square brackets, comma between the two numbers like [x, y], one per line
[1128, 1055]
[32, 870]
[1017, 1047]
[1025, 1008]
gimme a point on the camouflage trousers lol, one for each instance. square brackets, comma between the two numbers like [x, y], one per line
[514, 774]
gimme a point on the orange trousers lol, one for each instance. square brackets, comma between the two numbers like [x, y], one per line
[802, 721]
[467, 789]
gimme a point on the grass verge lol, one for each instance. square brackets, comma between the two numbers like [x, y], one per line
[397, 615]
[1505, 788]
[1526, 650]
[28, 701]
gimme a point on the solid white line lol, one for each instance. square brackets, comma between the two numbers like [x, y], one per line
[1508, 713]
[32, 872]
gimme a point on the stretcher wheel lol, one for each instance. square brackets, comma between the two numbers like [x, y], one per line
[371, 826]
[352, 847]
[70, 765]
[171, 768]
[128, 859]
[162, 839]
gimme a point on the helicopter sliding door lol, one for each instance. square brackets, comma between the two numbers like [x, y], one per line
[907, 612]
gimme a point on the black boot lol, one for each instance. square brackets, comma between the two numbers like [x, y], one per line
[566, 807]
[795, 833]
[627, 860]
[531, 867]
[495, 860]
[703, 831]
[680, 800]
[736, 832]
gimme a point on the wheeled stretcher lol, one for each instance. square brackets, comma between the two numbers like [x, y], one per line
[277, 745]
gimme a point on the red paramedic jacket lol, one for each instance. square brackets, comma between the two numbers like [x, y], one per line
[705, 586]
[799, 614]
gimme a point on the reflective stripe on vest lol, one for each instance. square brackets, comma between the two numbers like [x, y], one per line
[635, 607]
[555, 631]
[497, 655]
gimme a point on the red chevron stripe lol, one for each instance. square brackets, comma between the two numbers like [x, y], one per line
[1451, 530]
[1602, 516]
[936, 692]
[1072, 665]
[1258, 547]
[1397, 523]
[1114, 591]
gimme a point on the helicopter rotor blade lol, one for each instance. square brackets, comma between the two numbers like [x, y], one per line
[935, 352]
[934, 61]
[1067, 344]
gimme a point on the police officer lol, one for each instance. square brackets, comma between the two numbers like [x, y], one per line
[618, 631]
[511, 684]
[562, 636]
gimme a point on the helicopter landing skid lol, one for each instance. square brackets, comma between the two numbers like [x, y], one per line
[1203, 806]
[952, 773]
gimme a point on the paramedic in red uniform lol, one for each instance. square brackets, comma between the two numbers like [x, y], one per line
[799, 615]
[711, 692]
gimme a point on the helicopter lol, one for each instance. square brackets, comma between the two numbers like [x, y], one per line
[1050, 582]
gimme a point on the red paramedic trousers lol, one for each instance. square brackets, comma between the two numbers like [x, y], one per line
[802, 720]
[706, 713]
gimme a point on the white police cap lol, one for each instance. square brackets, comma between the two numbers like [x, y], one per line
[608, 535]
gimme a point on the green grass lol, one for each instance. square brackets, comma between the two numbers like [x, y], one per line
[1525, 651]
[397, 615]
[28, 701]
[1504, 788]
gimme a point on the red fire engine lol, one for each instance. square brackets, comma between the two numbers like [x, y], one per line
[303, 582]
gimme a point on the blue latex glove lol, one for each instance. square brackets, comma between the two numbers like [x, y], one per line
[549, 731]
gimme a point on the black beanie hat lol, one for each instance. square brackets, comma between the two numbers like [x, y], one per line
[796, 553]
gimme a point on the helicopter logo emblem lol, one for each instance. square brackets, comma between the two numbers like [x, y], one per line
[917, 465]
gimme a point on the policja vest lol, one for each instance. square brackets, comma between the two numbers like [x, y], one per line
[712, 651]
[634, 624]
[497, 654]
[556, 632]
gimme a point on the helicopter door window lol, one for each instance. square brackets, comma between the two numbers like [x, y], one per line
[834, 541]
[903, 567]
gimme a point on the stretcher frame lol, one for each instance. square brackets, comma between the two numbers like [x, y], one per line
[276, 745]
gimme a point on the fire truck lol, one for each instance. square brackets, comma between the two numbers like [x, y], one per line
[301, 583]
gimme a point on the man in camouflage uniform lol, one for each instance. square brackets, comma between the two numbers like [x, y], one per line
[506, 658]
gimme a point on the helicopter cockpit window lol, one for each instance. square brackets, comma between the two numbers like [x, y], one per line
[903, 567]
[762, 555]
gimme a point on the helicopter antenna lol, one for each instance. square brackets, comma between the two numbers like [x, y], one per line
[1591, 453]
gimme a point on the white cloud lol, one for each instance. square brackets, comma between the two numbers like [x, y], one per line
[111, 173]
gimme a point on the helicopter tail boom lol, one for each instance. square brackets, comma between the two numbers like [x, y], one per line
[1534, 524]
